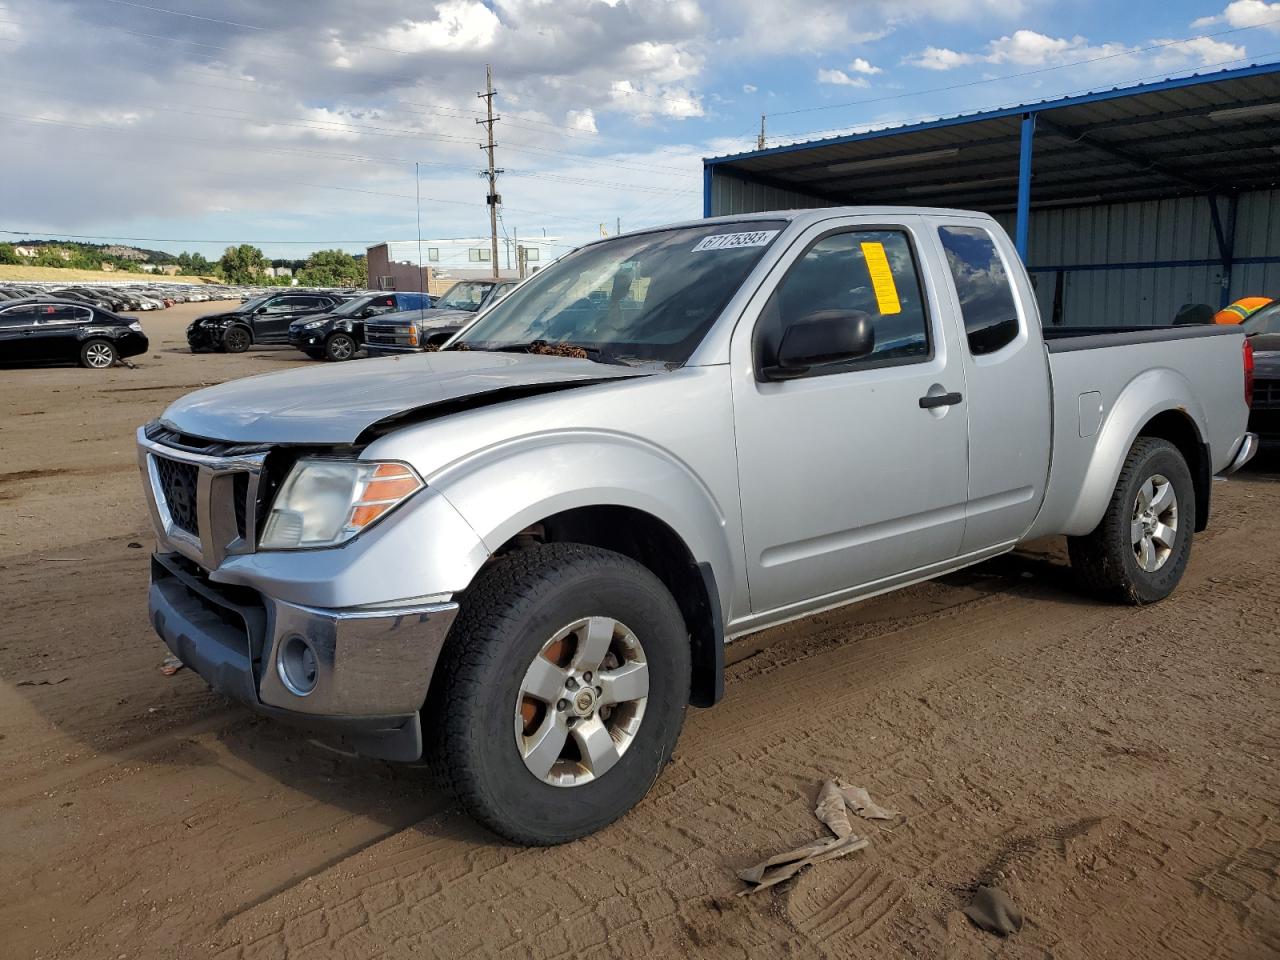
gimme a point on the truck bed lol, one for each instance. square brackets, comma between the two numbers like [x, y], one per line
[1107, 382]
[1064, 339]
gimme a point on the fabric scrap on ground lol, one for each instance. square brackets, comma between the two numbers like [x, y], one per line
[992, 910]
[835, 800]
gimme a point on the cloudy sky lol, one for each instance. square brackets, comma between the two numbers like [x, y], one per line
[296, 124]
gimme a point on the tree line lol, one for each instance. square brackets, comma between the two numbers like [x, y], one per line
[245, 263]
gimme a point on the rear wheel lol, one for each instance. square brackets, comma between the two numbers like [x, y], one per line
[340, 346]
[560, 693]
[1140, 549]
[98, 354]
[237, 339]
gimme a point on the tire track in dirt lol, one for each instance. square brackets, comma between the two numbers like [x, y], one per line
[1076, 816]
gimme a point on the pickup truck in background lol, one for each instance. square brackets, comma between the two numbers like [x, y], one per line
[521, 556]
[419, 330]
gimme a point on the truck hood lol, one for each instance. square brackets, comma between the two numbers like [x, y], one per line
[336, 404]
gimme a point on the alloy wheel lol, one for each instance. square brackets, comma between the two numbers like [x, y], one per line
[581, 702]
[1154, 526]
[99, 355]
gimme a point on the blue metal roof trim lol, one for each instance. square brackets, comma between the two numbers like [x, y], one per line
[1042, 106]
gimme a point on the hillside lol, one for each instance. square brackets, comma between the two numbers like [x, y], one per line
[13, 272]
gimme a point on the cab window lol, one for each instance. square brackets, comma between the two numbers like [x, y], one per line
[982, 286]
[860, 271]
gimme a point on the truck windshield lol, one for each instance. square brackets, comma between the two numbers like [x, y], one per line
[464, 296]
[647, 297]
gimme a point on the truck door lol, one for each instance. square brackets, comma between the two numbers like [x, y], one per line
[855, 473]
[1009, 403]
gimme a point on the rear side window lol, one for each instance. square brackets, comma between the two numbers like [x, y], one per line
[872, 271]
[986, 298]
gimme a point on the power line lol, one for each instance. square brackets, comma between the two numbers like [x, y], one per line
[189, 16]
[1026, 73]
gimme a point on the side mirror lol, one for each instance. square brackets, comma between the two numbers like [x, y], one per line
[260, 310]
[824, 338]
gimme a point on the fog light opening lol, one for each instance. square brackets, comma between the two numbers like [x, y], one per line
[297, 666]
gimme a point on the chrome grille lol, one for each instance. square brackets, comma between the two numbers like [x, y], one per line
[178, 482]
[205, 505]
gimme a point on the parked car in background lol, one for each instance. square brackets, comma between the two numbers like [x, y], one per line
[410, 333]
[262, 320]
[339, 334]
[523, 554]
[47, 330]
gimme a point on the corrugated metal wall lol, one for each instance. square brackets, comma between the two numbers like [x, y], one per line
[731, 194]
[1158, 233]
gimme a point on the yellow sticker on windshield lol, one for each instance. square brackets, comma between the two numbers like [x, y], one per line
[881, 278]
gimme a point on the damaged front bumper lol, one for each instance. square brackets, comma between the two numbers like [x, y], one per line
[356, 675]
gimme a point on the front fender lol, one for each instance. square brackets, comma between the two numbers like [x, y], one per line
[1145, 396]
[511, 486]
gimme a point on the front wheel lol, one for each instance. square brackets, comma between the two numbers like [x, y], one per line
[98, 354]
[237, 339]
[1140, 549]
[560, 693]
[339, 347]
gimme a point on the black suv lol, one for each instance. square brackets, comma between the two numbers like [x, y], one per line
[338, 334]
[264, 320]
[45, 330]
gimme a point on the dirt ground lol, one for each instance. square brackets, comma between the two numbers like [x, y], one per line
[1117, 770]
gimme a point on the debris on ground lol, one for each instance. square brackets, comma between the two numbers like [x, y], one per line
[835, 800]
[992, 910]
[134, 545]
[171, 665]
[47, 682]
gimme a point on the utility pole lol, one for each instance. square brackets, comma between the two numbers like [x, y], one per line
[618, 227]
[760, 139]
[493, 198]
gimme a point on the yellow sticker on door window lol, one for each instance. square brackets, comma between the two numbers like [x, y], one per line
[881, 278]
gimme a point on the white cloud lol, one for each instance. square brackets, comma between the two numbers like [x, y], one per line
[584, 120]
[861, 65]
[458, 25]
[749, 88]
[840, 79]
[1027, 48]
[1245, 13]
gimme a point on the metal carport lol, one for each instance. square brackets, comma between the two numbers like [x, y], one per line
[1125, 203]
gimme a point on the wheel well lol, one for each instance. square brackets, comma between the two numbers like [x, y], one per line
[653, 544]
[1180, 430]
[243, 326]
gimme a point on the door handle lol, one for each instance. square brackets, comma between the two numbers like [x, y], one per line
[940, 400]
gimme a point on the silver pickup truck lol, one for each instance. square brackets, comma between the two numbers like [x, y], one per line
[521, 556]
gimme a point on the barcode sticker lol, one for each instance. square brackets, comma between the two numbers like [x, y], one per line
[729, 241]
[881, 278]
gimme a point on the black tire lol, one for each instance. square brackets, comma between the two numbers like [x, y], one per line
[513, 609]
[1106, 561]
[237, 339]
[98, 354]
[340, 346]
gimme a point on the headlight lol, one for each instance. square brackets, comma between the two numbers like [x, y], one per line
[323, 503]
[413, 336]
[136, 326]
[313, 324]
